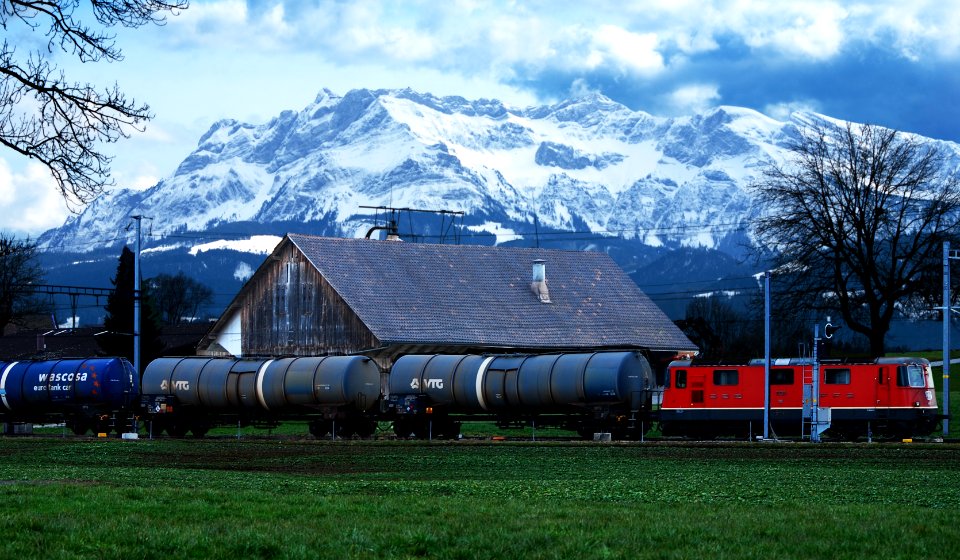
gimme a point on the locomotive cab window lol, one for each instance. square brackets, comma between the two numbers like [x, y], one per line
[726, 377]
[781, 377]
[681, 379]
[836, 376]
[910, 376]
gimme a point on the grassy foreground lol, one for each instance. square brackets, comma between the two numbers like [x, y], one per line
[222, 498]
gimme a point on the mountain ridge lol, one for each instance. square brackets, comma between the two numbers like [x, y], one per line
[585, 173]
[581, 161]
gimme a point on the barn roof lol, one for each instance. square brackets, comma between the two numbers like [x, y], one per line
[425, 294]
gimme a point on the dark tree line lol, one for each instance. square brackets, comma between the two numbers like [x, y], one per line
[117, 340]
[179, 298]
[19, 267]
[728, 330]
[165, 300]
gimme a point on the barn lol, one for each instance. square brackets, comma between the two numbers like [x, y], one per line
[319, 295]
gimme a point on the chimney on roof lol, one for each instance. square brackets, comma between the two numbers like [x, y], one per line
[539, 283]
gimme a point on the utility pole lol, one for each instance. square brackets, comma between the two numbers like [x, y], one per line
[947, 312]
[815, 409]
[766, 355]
[136, 299]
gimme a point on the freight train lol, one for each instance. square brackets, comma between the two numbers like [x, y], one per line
[430, 395]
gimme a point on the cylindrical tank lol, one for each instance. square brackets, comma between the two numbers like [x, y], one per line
[275, 385]
[328, 381]
[39, 387]
[450, 380]
[539, 383]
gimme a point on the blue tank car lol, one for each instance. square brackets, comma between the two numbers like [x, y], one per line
[85, 393]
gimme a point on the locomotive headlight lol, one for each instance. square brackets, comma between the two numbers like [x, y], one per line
[929, 394]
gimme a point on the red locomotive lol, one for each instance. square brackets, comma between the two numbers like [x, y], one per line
[888, 397]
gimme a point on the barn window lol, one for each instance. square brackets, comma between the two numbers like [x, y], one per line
[280, 300]
[726, 377]
[836, 376]
[781, 377]
[306, 298]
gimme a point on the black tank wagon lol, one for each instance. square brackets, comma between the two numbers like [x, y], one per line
[587, 392]
[194, 394]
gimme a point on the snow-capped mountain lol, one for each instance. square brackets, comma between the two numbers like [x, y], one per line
[586, 172]
[587, 163]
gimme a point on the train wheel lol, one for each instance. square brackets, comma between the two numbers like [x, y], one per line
[422, 430]
[365, 428]
[345, 429]
[78, 427]
[402, 427]
[319, 428]
[199, 430]
[177, 429]
[451, 429]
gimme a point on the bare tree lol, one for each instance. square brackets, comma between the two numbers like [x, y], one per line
[57, 122]
[18, 268]
[857, 219]
[178, 297]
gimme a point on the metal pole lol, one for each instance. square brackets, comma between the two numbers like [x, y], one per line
[946, 336]
[136, 300]
[815, 409]
[766, 354]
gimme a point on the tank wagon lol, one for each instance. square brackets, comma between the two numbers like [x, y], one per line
[85, 393]
[586, 392]
[892, 397]
[194, 394]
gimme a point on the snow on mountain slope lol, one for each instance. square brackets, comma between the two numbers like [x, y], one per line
[583, 163]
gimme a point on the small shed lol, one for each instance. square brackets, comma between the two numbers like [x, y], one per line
[318, 295]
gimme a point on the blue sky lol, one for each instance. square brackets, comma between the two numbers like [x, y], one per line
[891, 63]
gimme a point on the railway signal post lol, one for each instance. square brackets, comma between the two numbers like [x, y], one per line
[819, 417]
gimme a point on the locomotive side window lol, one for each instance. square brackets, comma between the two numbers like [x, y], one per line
[726, 377]
[781, 377]
[836, 376]
[910, 376]
[681, 379]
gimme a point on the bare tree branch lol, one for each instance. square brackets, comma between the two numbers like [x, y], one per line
[60, 123]
[857, 219]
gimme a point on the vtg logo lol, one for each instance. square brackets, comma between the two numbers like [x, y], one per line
[177, 385]
[427, 384]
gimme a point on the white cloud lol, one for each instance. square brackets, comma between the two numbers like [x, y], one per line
[693, 98]
[917, 29]
[782, 111]
[29, 200]
[633, 51]
[580, 88]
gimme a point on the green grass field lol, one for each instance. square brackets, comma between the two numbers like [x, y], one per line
[298, 498]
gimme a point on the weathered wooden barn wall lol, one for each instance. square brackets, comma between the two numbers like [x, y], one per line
[292, 310]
